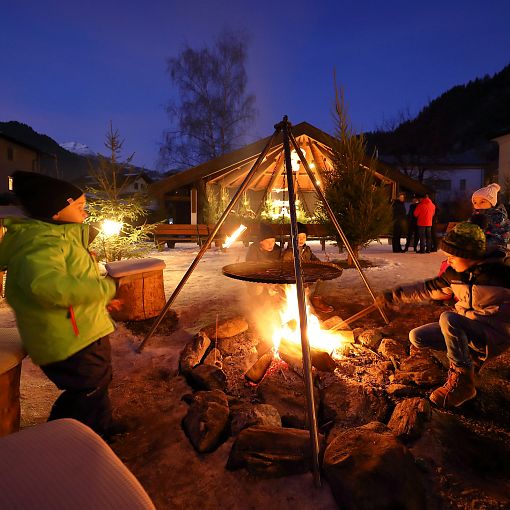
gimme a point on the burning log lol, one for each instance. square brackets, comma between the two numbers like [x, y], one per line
[257, 371]
[291, 354]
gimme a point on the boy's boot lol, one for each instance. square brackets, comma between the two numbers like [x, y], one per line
[458, 388]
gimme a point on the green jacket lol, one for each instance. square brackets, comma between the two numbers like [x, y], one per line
[54, 287]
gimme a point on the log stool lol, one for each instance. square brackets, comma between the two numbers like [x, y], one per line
[139, 286]
[11, 356]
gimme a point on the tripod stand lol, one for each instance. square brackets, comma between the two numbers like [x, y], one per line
[283, 128]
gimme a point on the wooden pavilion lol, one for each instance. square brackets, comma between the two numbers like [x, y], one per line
[184, 194]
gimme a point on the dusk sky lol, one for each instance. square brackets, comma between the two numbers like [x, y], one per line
[70, 67]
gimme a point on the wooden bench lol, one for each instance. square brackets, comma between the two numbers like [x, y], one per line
[180, 233]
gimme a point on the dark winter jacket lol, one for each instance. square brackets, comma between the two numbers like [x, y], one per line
[256, 254]
[399, 210]
[305, 254]
[496, 225]
[54, 287]
[483, 293]
[424, 212]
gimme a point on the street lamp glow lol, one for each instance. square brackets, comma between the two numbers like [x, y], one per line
[111, 228]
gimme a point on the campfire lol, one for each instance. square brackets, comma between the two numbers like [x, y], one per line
[326, 346]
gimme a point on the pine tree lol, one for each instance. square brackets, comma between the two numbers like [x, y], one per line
[108, 205]
[359, 200]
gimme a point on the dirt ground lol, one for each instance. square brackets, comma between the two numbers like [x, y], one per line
[147, 395]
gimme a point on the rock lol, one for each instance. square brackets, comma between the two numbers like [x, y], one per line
[492, 400]
[368, 469]
[350, 403]
[249, 415]
[377, 374]
[207, 377]
[401, 390]
[214, 358]
[420, 369]
[418, 363]
[272, 451]
[226, 328]
[409, 418]
[429, 378]
[206, 421]
[392, 349]
[370, 338]
[193, 352]
[287, 394]
[237, 345]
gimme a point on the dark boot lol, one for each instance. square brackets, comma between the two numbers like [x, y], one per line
[458, 388]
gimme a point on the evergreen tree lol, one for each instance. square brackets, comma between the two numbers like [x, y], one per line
[358, 199]
[110, 207]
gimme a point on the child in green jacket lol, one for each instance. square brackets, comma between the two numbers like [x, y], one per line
[59, 298]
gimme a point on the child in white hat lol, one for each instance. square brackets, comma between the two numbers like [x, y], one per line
[491, 216]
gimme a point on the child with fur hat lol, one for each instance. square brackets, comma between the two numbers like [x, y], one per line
[491, 216]
[480, 325]
[59, 299]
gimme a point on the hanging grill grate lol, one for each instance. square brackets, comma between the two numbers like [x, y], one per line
[281, 272]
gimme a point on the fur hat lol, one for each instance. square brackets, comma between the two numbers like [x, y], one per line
[490, 193]
[465, 240]
[43, 196]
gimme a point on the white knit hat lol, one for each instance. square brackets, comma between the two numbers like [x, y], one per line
[490, 193]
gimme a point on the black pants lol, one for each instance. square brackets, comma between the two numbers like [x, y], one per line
[425, 239]
[84, 377]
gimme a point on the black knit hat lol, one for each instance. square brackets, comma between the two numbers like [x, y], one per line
[465, 240]
[301, 228]
[265, 231]
[43, 196]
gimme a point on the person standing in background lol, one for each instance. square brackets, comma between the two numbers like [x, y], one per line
[424, 212]
[412, 226]
[399, 222]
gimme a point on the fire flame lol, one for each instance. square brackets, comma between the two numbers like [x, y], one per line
[289, 330]
[231, 238]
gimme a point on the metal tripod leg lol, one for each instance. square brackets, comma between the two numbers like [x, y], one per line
[300, 289]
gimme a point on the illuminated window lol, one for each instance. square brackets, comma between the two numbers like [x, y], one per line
[10, 183]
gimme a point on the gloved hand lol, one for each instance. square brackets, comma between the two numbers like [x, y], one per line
[385, 300]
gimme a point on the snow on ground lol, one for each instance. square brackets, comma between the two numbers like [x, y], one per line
[208, 293]
[211, 294]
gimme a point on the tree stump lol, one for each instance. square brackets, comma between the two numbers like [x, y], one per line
[140, 288]
[11, 356]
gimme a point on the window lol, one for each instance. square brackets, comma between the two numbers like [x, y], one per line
[10, 153]
[462, 186]
[439, 184]
[11, 187]
[135, 185]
